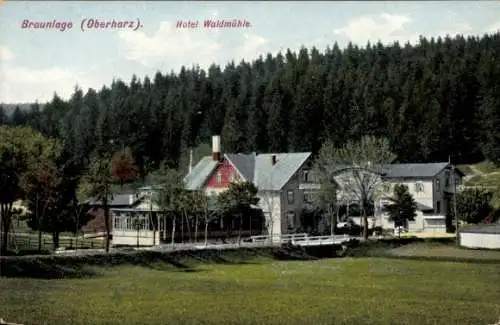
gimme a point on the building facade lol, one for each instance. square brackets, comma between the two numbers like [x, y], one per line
[432, 185]
[282, 179]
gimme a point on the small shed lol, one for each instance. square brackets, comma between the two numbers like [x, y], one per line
[481, 236]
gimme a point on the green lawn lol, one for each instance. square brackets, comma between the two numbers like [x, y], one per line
[338, 291]
[487, 167]
[489, 180]
[446, 251]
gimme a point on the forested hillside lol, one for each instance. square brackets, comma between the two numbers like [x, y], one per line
[439, 98]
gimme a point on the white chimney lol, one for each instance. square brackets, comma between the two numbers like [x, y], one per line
[216, 154]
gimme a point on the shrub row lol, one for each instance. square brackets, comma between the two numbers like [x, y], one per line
[59, 266]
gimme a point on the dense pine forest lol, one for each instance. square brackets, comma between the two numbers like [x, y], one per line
[437, 99]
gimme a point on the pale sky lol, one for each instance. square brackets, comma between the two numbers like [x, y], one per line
[35, 62]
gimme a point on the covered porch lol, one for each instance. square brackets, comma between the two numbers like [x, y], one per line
[135, 227]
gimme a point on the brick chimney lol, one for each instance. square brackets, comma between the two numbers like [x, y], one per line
[216, 154]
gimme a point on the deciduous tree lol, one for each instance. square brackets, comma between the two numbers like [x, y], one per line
[238, 200]
[123, 166]
[473, 205]
[96, 184]
[41, 187]
[21, 150]
[357, 168]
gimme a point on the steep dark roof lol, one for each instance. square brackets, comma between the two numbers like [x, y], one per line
[254, 168]
[406, 170]
[195, 179]
[245, 164]
[413, 170]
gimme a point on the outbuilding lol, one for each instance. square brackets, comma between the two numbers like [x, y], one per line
[481, 236]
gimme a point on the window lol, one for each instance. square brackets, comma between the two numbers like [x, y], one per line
[291, 197]
[131, 223]
[387, 188]
[140, 223]
[233, 177]
[447, 179]
[308, 197]
[419, 187]
[126, 224]
[438, 185]
[305, 176]
[438, 207]
[116, 223]
[291, 219]
[219, 177]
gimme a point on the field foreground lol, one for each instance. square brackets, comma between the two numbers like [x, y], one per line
[332, 291]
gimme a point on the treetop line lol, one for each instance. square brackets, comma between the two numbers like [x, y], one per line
[428, 102]
[431, 100]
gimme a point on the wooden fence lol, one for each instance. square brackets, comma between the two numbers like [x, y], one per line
[20, 242]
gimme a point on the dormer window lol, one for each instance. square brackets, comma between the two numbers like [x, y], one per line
[419, 187]
[219, 177]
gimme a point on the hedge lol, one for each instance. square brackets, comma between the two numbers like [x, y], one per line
[61, 266]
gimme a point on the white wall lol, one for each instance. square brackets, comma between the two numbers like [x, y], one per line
[418, 223]
[478, 240]
[427, 223]
[271, 207]
[214, 191]
[129, 237]
[147, 205]
[424, 197]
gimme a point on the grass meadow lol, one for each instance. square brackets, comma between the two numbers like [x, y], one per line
[340, 291]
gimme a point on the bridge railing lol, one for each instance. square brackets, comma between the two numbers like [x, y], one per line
[321, 240]
[300, 239]
[278, 239]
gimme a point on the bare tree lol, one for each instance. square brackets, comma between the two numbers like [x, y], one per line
[210, 210]
[270, 200]
[357, 168]
[169, 196]
[325, 197]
